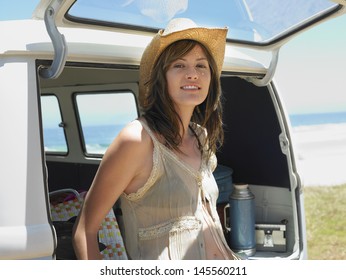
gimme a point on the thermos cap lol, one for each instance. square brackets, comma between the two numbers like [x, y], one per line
[241, 191]
[241, 186]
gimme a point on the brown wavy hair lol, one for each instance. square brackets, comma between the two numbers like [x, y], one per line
[159, 111]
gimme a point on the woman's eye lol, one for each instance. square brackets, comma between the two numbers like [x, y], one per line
[178, 65]
[201, 66]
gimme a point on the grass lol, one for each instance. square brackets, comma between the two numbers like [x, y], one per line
[325, 210]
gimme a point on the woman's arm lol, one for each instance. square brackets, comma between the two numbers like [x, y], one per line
[125, 167]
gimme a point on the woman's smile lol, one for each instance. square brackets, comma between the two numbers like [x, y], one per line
[191, 87]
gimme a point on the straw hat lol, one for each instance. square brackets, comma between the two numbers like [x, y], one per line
[214, 39]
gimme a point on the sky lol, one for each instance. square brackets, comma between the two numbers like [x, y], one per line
[312, 67]
[311, 71]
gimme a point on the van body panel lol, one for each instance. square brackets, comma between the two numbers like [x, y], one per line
[25, 228]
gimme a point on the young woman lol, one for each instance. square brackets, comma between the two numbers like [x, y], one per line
[160, 166]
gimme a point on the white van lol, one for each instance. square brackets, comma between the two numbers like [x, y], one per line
[69, 82]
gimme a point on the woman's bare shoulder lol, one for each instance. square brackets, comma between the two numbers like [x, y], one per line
[133, 138]
[134, 132]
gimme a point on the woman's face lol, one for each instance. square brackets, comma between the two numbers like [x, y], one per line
[188, 78]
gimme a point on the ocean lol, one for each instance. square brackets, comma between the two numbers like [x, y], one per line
[96, 138]
[317, 119]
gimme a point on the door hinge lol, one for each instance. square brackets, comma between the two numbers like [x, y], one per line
[261, 82]
[58, 40]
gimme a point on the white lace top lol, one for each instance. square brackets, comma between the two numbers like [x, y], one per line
[167, 217]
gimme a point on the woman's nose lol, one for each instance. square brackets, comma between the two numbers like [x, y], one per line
[191, 74]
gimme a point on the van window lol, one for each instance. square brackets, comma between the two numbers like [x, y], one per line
[53, 129]
[102, 116]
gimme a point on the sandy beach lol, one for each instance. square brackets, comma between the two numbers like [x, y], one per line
[321, 153]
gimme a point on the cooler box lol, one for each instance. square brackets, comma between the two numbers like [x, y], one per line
[223, 177]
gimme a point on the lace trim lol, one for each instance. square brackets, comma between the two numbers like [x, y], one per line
[174, 225]
[213, 163]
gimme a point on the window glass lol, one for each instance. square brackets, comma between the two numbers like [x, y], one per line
[102, 116]
[53, 130]
[252, 21]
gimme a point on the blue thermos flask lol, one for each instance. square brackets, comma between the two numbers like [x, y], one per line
[242, 220]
